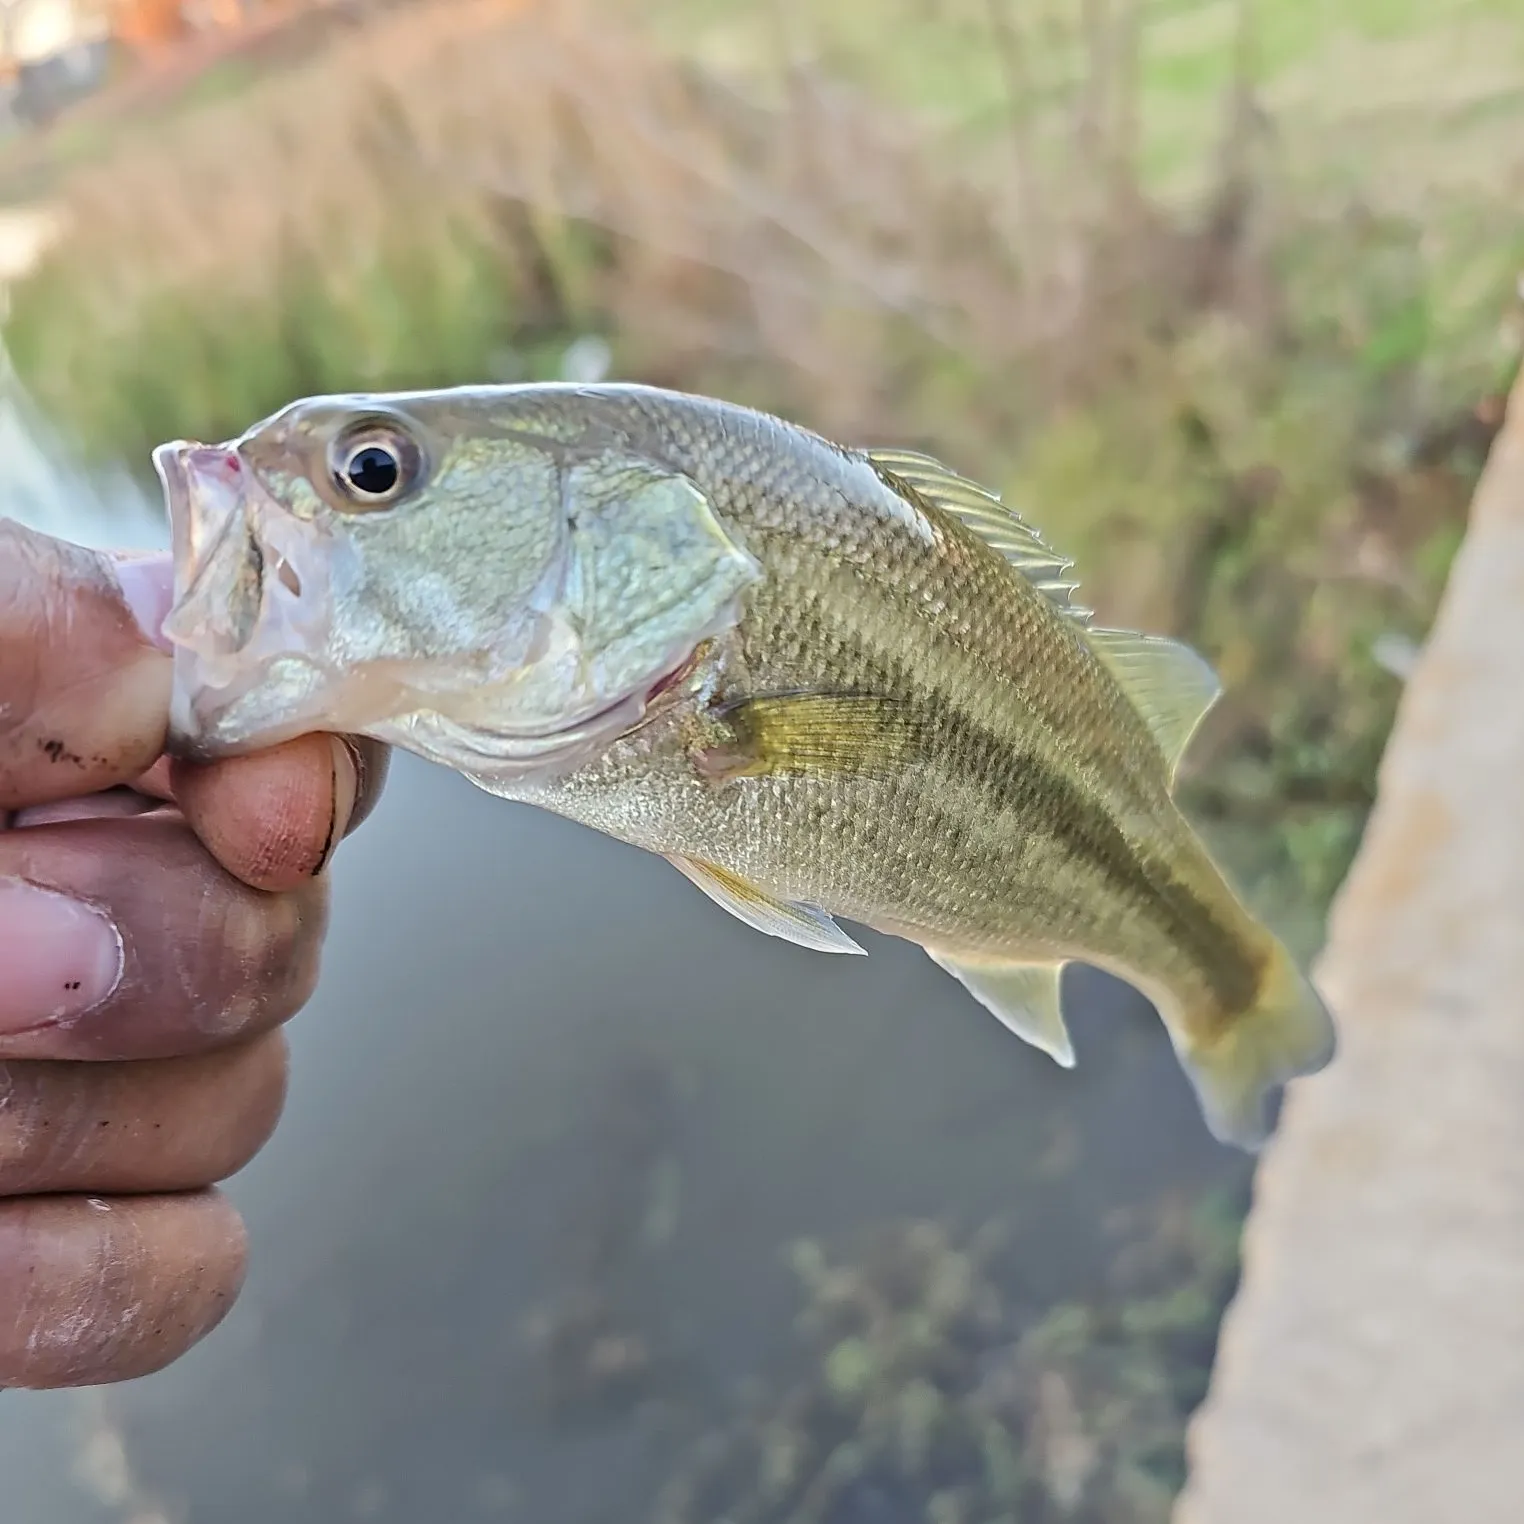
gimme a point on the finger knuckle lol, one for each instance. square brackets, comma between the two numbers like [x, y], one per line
[26, 1129]
[113, 1289]
[264, 953]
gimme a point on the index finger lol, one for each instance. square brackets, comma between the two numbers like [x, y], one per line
[84, 689]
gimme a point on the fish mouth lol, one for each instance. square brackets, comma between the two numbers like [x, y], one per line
[250, 600]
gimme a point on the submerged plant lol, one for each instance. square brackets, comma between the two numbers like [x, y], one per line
[932, 1393]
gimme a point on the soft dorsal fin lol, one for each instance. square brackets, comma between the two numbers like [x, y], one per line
[1170, 685]
[1025, 996]
[997, 525]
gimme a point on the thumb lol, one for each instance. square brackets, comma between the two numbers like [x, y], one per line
[84, 674]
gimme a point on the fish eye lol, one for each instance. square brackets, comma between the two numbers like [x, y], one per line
[375, 465]
[373, 471]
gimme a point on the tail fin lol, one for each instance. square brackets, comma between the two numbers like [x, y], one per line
[1287, 1033]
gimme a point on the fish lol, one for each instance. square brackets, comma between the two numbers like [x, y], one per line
[825, 683]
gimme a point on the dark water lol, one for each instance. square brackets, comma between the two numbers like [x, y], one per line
[529, 1045]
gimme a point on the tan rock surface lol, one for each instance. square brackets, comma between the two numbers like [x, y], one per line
[1371, 1370]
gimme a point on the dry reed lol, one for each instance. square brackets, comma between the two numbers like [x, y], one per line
[438, 190]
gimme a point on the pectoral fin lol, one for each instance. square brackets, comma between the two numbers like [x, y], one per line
[813, 732]
[804, 924]
[1025, 996]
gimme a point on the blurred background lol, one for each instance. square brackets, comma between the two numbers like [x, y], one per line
[591, 1206]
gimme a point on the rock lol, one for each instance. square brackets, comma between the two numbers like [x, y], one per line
[1372, 1365]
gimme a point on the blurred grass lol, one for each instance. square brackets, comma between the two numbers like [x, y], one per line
[1222, 297]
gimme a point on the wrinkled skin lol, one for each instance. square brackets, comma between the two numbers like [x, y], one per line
[118, 1119]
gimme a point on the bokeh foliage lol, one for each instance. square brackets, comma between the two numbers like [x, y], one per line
[1221, 297]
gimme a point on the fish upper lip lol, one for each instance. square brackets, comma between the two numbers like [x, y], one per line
[180, 464]
[174, 478]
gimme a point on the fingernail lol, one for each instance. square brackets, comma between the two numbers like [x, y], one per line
[147, 583]
[372, 762]
[347, 769]
[58, 957]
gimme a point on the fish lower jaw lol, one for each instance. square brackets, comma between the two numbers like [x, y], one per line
[499, 760]
[519, 767]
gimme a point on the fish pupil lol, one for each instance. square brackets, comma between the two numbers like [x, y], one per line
[373, 470]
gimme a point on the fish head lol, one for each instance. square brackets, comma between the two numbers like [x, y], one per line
[488, 577]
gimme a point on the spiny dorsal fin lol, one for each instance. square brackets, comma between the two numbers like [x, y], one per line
[1025, 996]
[997, 525]
[1169, 684]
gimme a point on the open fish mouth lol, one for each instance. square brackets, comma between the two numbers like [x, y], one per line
[249, 618]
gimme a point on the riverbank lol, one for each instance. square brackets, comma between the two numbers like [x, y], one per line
[1372, 1366]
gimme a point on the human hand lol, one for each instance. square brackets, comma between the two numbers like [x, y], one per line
[159, 922]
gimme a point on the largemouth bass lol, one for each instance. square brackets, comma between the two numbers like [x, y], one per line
[822, 682]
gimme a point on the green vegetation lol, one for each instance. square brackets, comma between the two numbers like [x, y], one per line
[930, 1392]
[1220, 297]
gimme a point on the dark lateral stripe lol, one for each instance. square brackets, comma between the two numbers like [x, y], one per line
[1013, 778]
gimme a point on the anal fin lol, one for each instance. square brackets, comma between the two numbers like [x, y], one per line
[1025, 996]
[806, 925]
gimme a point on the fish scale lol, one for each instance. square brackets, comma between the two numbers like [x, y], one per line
[857, 686]
[853, 627]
